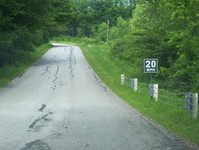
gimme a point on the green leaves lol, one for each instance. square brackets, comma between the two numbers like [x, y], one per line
[25, 24]
[91, 13]
[167, 30]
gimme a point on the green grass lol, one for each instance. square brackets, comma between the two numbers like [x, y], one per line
[9, 72]
[109, 69]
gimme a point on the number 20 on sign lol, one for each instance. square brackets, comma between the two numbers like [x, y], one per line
[150, 65]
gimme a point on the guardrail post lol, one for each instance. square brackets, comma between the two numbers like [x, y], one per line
[153, 91]
[192, 104]
[194, 113]
[134, 84]
[155, 94]
[122, 79]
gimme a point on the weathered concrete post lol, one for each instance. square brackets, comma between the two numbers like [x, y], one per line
[194, 110]
[134, 84]
[191, 104]
[153, 91]
[122, 79]
[155, 94]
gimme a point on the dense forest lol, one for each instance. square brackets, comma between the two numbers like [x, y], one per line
[134, 29]
[167, 30]
[25, 24]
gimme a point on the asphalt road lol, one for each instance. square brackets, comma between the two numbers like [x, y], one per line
[60, 104]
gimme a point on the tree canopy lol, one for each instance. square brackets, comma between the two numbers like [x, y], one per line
[28, 23]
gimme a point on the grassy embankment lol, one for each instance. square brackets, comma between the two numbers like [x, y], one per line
[8, 72]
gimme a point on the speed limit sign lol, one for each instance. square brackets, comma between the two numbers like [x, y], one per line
[150, 65]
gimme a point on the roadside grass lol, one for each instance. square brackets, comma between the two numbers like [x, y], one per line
[109, 69]
[9, 72]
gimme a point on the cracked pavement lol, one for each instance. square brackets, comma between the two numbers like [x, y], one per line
[60, 104]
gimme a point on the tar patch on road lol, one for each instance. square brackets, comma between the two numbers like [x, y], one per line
[44, 117]
[36, 145]
[42, 107]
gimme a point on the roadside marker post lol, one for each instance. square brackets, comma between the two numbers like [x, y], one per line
[122, 79]
[191, 104]
[134, 84]
[194, 112]
[153, 91]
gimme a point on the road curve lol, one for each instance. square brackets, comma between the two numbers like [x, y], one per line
[60, 104]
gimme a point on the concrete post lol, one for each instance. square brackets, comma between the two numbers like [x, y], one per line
[134, 84]
[153, 91]
[122, 79]
[194, 112]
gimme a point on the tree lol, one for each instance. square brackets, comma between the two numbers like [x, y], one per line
[167, 30]
[91, 13]
[28, 23]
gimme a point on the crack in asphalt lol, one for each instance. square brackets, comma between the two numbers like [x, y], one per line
[42, 118]
[36, 145]
[56, 73]
[46, 71]
[71, 59]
